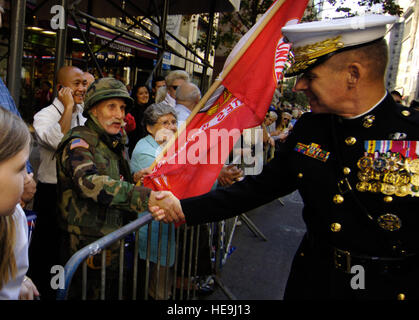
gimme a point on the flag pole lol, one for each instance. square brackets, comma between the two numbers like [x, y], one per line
[274, 8]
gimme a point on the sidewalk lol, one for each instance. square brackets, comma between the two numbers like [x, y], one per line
[257, 269]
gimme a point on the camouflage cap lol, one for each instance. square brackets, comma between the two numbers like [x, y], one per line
[105, 88]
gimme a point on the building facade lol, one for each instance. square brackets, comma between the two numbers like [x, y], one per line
[403, 69]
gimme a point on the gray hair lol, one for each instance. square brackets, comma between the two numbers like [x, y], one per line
[14, 134]
[273, 115]
[176, 74]
[188, 92]
[153, 113]
[161, 94]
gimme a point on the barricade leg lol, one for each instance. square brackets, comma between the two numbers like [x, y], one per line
[252, 227]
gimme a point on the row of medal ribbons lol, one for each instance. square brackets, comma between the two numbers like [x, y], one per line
[389, 167]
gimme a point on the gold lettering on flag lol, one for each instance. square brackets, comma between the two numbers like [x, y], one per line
[226, 97]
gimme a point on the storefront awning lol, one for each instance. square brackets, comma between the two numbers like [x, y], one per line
[121, 44]
[103, 8]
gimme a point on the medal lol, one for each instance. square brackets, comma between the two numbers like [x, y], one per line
[391, 177]
[364, 163]
[388, 189]
[414, 166]
[392, 164]
[379, 164]
[402, 191]
[415, 181]
[404, 178]
[364, 175]
[363, 186]
[376, 187]
[389, 222]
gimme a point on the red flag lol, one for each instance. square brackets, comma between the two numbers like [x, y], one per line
[251, 73]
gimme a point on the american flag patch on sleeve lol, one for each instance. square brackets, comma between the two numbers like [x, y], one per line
[76, 143]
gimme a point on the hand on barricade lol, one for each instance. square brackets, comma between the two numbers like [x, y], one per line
[28, 290]
[164, 206]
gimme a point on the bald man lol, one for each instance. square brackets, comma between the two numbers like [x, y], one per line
[90, 78]
[187, 97]
[51, 124]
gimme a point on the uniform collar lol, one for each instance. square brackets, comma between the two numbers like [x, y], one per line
[369, 110]
[368, 119]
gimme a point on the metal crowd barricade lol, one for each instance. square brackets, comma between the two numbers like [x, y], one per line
[183, 273]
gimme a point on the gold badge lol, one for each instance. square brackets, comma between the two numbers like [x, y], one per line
[350, 141]
[368, 121]
[389, 222]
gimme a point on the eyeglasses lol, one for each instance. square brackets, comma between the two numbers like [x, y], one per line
[174, 87]
[167, 123]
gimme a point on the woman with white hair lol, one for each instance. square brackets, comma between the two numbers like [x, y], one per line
[160, 121]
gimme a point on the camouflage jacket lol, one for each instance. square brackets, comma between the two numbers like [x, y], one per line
[96, 194]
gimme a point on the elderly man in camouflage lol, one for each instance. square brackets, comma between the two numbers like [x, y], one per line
[96, 193]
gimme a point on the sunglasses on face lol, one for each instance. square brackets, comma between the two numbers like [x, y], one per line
[174, 87]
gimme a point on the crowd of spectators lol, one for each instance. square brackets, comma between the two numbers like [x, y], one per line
[152, 118]
[150, 121]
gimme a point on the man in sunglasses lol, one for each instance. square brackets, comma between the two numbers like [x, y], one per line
[173, 80]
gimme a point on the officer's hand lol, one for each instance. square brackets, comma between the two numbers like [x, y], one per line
[229, 174]
[164, 206]
[65, 95]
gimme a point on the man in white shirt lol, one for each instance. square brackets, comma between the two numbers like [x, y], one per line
[173, 80]
[187, 97]
[51, 124]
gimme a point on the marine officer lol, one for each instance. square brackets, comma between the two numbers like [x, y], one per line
[354, 160]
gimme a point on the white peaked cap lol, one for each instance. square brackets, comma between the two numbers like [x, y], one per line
[314, 40]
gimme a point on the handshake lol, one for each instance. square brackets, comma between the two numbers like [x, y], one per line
[164, 206]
